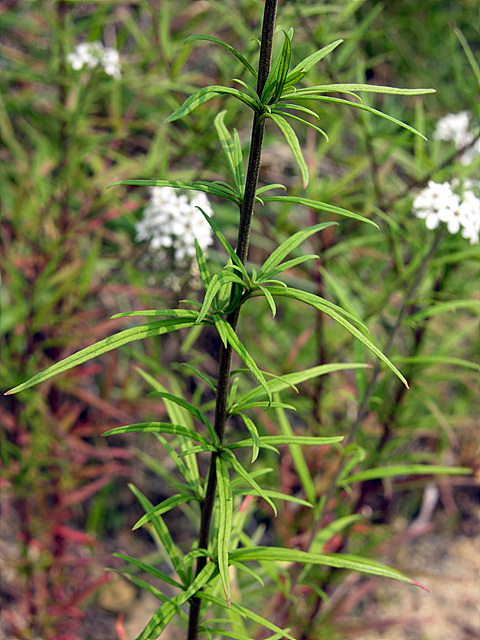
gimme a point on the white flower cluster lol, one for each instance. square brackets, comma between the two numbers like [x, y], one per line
[455, 127]
[92, 54]
[456, 204]
[171, 222]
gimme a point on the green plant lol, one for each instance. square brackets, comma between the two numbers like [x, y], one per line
[200, 580]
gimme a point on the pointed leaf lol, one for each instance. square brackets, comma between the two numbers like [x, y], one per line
[319, 304]
[161, 529]
[153, 571]
[311, 60]
[339, 561]
[289, 245]
[240, 350]
[218, 281]
[371, 88]
[194, 411]
[360, 106]
[227, 146]
[248, 478]
[225, 512]
[319, 206]
[407, 470]
[163, 507]
[253, 431]
[107, 344]
[302, 120]
[202, 265]
[290, 379]
[211, 188]
[245, 613]
[158, 427]
[293, 143]
[236, 53]
[205, 94]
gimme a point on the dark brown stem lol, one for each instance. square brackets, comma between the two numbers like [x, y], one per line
[225, 358]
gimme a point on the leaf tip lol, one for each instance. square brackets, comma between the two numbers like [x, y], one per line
[420, 586]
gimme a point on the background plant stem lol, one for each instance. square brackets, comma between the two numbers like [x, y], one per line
[243, 241]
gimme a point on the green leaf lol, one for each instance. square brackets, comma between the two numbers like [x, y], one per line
[207, 93]
[236, 53]
[210, 188]
[302, 120]
[202, 265]
[330, 530]
[293, 143]
[289, 245]
[253, 431]
[162, 617]
[319, 304]
[225, 244]
[169, 313]
[153, 571]
[218, 281]
[434, 360]
[270, 300]
[278, 73]
[289, 379]
[285, 266]
[452, 305]
[319, 206]
[227, 145]
[161, 529]
[298, 458]
[103, 346]
[406, 470]
[268, 187]
[308, 62]
[357, 105]
[276, 495]
[246, 613]
[349, 87]
[337, 560]
[200, 375]
[158, 427]
[287, 440]
[248, 478]
[225, 512]
[240, 350]
[194, 411]
[163, 507]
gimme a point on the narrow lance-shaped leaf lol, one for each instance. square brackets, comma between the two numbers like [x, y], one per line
[371, 88]
[318, 303]
[338, 560]
[207, 93]
[289, 245]
[293, 143]
[219, 280]
[158, 427]
[105, 345]
[406, 470]
[248, 478]
[229, 47]
[225, 512]
[205, 187]
[238, 347]
[319, 206]
[227, 146]
[308, 62]
[356, 105]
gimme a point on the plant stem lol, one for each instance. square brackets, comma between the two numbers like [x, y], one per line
[225, 358]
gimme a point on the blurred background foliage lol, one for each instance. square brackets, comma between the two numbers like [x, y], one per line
[69, 261]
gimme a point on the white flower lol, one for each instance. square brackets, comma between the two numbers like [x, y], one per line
[455, 127]
[92, 54]
[173, 222]
[455, 204]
